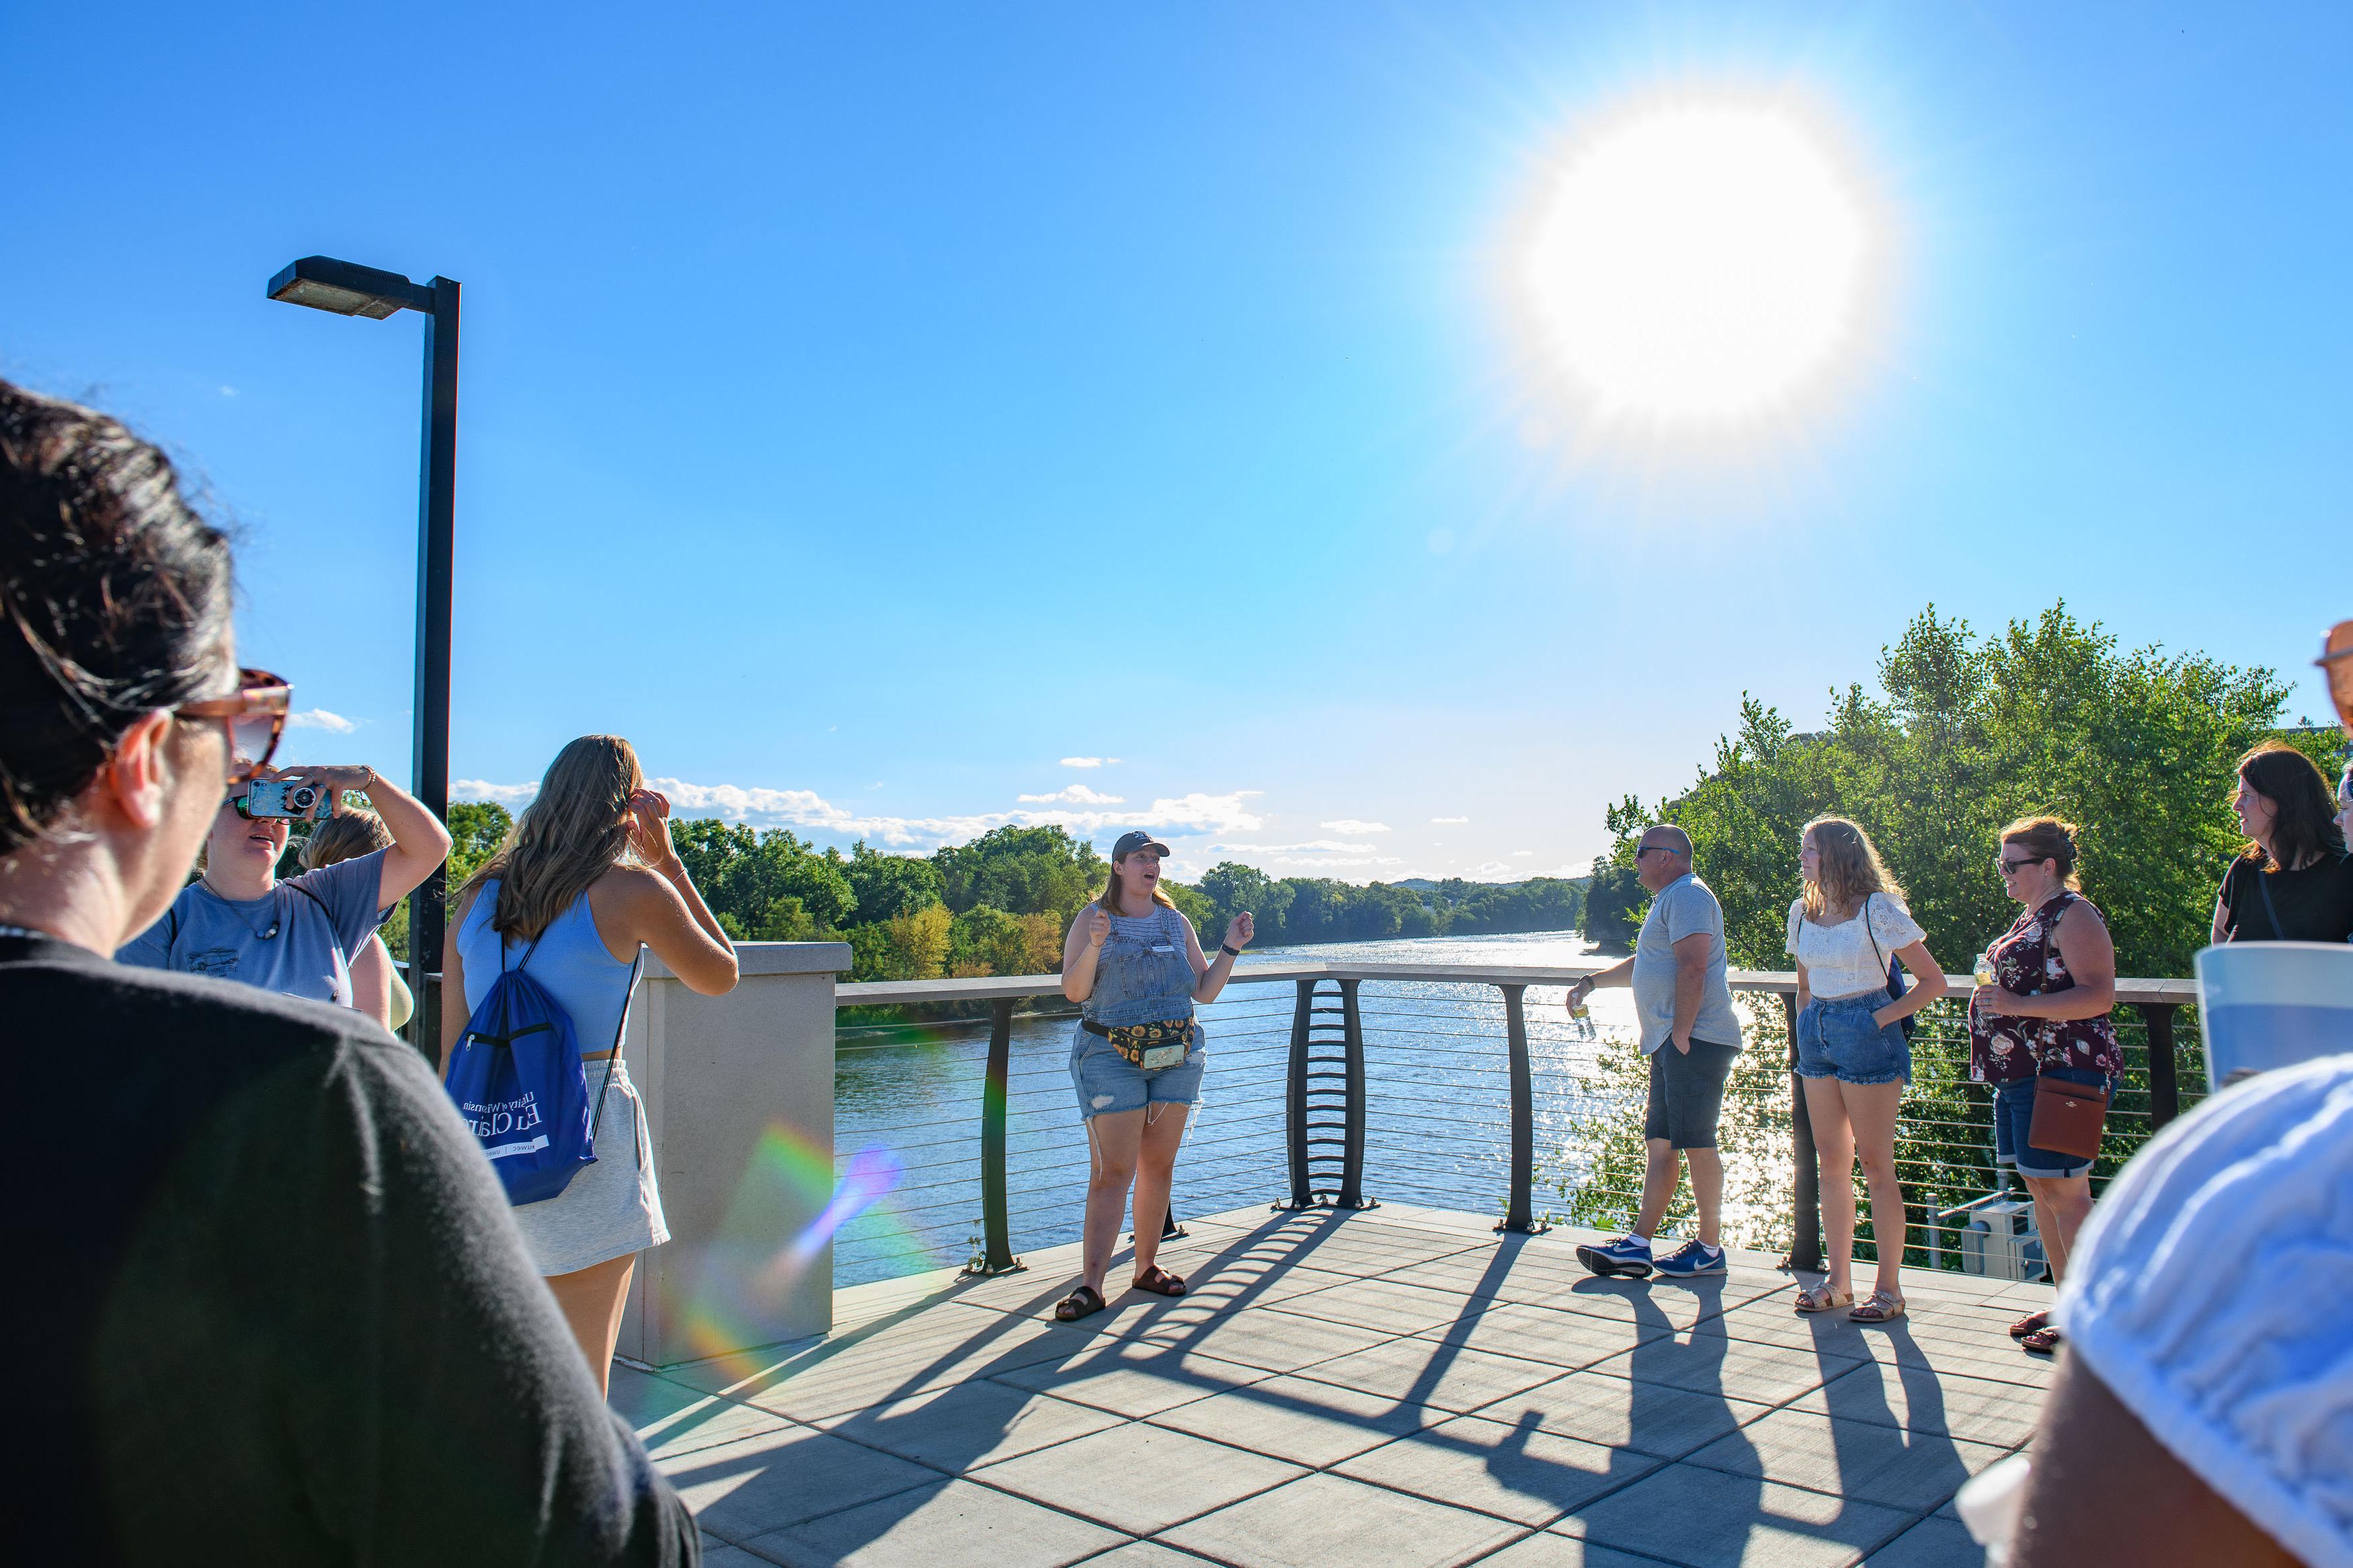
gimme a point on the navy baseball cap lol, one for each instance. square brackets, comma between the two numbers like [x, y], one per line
[1129, 843]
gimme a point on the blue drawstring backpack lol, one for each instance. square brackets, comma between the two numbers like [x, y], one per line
[519, 1082]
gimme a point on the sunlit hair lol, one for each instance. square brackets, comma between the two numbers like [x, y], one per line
[2047, 839]
[574, 831]
[1109, 896]
[1849, 870]
[346, 836]
[2303, 821]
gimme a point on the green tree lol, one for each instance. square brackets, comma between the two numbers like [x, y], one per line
[1963, 736]
[1022, 871]
[890, 885]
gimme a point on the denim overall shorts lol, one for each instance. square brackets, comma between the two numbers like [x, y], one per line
[1142, 975]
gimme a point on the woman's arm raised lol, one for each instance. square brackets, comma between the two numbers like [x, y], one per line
[1088, 928]
[661, 907]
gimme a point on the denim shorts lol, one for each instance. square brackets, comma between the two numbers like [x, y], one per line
[1838, 1039]
[1107, 1083]
[2013, 1114]
[1686, 1093]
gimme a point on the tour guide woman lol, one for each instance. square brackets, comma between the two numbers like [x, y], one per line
[2045, 1016]
[1136, 1058]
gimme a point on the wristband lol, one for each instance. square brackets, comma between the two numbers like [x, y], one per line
[1228, 947]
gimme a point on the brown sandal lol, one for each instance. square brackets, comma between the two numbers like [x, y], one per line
[2034, 1322]
[1084, 1302]
[1822, 1299]
[1159, 1281]
[2044, 1340]
[1880, 1307]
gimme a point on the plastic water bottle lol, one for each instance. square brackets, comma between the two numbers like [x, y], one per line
[1581, 1018]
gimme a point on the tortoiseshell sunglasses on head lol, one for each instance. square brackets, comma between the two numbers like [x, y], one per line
[254, 716]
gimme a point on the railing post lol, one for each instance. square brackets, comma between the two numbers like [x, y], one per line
[996, 1229]
[1295, 1101]
[1805, 1196]
[1519, 1217]
[2164, 1087]
[1352, 1163]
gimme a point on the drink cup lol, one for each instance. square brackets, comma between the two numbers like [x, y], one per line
[1984, 973]
[2268, 1005]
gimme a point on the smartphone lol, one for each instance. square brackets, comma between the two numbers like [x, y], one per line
[286, 797]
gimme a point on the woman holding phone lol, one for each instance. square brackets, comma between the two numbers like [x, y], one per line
[1134, 963]
[298, 936]
[586, 876]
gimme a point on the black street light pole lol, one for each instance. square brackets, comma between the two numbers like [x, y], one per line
[345, 289]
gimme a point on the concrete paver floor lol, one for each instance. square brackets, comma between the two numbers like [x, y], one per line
[1399, 1387]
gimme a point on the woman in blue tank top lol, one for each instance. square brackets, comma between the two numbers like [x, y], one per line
[587, 875]
[1136, 1056]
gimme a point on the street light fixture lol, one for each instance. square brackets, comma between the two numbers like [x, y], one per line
[347, 288]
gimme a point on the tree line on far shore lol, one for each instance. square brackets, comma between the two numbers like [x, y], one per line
[1001, 903]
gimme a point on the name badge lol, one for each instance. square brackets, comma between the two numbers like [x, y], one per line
[1164, 947]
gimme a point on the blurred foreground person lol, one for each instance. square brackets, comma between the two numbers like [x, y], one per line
[2043, 1026]
[377, 988]
[1134, 966]
[2293, 881]
[2204, 1413]
[269, 1305]
[586, 877]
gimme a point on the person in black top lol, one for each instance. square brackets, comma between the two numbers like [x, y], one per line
[2294, 882]
[267, 1302]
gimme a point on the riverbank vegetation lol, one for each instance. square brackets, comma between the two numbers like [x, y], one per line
[1001, 904]
[1963, 735]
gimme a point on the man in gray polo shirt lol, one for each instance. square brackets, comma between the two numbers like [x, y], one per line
[1691, 1034]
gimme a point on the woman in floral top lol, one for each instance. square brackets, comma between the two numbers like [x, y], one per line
[2045, 1016]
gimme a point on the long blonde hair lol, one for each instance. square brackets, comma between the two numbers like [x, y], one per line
[1109, 896]
[1849, 870]
[574, 831]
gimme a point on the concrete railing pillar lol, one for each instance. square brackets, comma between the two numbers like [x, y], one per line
[739, 1095]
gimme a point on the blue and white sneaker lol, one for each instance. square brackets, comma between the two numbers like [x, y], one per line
[1690, 1260]
[1624, 1256]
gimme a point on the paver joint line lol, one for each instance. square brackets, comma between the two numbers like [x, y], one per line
[1892, 1427]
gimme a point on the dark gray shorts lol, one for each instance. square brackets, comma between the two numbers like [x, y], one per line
[1687, 1093]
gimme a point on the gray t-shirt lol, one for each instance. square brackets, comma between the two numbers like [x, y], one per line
[1682, 906]
[297, 940]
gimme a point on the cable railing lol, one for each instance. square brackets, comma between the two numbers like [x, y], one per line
[1454, 1085]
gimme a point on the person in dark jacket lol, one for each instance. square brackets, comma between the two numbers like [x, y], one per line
[268, 1302]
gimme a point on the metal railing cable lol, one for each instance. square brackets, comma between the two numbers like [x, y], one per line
[1444, 1085]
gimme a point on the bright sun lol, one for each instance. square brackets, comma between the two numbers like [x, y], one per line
[1698, 265]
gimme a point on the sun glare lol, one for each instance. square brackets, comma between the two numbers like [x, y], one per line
[1697, 265]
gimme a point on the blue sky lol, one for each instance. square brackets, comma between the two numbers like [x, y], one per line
[867, 411]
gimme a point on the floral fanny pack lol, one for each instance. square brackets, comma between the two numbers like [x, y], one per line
[1151, 1046]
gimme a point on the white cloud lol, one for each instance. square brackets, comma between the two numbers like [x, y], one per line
[320, 719]
[1520, 854]
[1349, 824]
[1077, 795]
[227, 391]
[811, 812]
[1089, 761]
[1450, 821]
[507, 796]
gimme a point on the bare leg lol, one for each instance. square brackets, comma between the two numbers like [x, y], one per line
[2061, 1204]
[1112, 1138]
[1707, 1192]
[1834, 1142]
[592, 1299]
[1658, 1185]
[1155, 1167]
[1871, 1110]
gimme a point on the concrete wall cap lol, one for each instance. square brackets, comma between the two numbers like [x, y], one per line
[754, 958]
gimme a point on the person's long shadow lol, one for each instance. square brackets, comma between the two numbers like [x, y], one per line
[1861, 1418]
[1133, 1336]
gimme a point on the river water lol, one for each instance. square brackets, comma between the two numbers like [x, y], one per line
[907, 1106]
